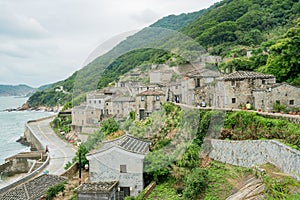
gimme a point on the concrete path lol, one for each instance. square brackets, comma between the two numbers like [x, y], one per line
[60, 151]
[252, 190]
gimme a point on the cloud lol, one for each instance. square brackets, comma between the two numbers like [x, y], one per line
[145, 16]
[18, 26]
[46, 41]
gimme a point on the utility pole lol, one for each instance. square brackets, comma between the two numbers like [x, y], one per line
[79, 161]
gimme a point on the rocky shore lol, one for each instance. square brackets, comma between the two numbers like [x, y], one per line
[23, 141]
[25, 106]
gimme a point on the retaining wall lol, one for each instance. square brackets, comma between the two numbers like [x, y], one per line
[247, 153]
[71, 171]
[26, 178]
[30, 136]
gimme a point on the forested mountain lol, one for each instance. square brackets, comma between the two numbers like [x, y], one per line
[176, 22]
[266, 28]
[16, 90]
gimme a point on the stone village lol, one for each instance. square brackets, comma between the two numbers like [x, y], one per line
[197, 87]
[116, 168]
[118, 164]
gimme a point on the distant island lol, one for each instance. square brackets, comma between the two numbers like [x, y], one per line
[16, 90]
[20, 90]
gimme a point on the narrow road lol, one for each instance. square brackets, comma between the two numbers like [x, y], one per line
[60, 151]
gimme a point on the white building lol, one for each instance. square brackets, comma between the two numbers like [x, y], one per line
[120, 160]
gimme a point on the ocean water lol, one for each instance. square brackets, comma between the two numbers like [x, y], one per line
[12, 125]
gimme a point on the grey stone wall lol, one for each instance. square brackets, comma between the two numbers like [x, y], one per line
[31, 138]
[255, 152]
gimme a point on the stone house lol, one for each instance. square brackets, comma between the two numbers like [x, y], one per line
[85, 119]
[210, 59]
[98, 191]
[174, 92]
[148, 102]
[160, 76]
[120, 160]
[97, 101]
[194, 87]
[282, 93]
[234, 90]
[203, 82]
[120, 106]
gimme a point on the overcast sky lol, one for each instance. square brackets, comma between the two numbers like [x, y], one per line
[44, 41]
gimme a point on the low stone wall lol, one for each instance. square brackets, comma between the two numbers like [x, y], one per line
[149, 189]
[26, 178]
[291, 118]
[35, 144]
[288, 117]
[71, 171]
[247, 153]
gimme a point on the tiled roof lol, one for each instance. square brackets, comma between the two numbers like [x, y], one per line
[151, 93]
[123, 99]
[83, 108]
[240, 75]
[97, 187]
[203, 72]
[33, 189]
[128, 143]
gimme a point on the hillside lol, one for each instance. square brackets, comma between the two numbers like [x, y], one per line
[229, 28]
[268, 29]
[16, 90]
[176, 22]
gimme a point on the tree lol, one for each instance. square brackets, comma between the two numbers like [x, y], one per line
[195, 183]
[284, 58]
[109, 126]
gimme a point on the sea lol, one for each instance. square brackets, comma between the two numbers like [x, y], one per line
[12, 125]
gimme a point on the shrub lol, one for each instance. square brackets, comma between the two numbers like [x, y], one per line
[196, 183]
[54, 190]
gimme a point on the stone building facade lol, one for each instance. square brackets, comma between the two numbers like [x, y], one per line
[122, 160]
[160, 76]
[148, 102]
[203, 85]
[85, 117]
[281, 93]
[236, 89]
[120, 106]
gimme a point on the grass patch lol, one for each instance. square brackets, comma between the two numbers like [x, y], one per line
[223, 179]
[279, 185]
[165, 191]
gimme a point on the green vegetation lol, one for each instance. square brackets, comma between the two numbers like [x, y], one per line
[131, 60]
[250, 126]
[175, 157]
[256, 26]
[229, 28]
[283, 60]
[165, 191]
[51, 97]
[176, 22]
[54, 190]
[247, 22]
[216, 181]
[108, 127]
[278, 185]
[60, 124]
[195, 184]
